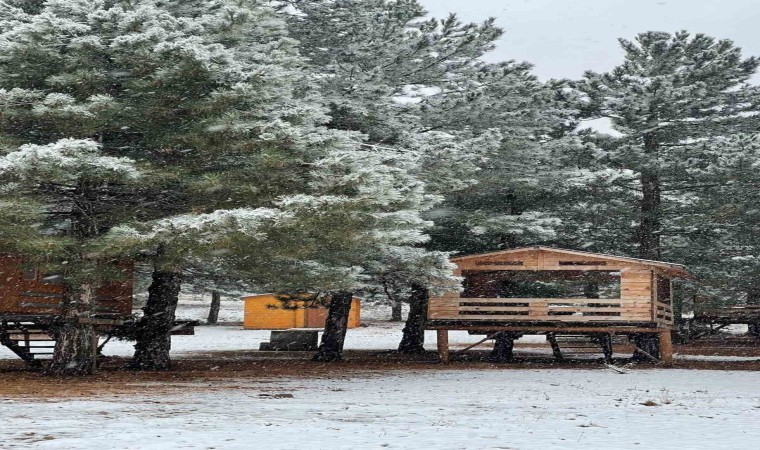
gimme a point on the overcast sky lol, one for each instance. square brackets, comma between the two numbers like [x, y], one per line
[562, 38]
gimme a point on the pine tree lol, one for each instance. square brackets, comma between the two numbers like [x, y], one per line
[380, 63]
[207, 97]
[671, 94]
[717, 233]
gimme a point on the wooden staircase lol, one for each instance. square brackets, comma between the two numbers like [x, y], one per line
[30, 340]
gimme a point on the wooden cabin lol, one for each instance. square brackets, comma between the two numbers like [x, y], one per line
[543, 290]
[267, 312]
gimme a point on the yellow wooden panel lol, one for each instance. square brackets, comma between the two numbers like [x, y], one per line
[354, 317]
[265, 312]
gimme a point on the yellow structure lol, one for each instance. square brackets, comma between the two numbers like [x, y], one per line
[266, 312]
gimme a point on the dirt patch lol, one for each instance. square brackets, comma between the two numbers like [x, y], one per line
[228, 370]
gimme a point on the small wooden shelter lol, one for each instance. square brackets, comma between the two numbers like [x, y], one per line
[267, 312]
[26, 291]
[543, 290]
[30, 304]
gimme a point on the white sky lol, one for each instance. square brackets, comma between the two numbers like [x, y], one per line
[562, 38]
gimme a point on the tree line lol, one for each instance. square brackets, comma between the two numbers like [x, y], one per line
[343, 146]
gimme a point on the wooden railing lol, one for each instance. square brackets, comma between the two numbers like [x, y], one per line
[540, 309]
[662, 312]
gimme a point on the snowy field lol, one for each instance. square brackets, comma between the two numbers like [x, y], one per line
[453, 408]
[509, 409]
[441, 409]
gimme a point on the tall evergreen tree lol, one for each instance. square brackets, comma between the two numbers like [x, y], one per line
[206, 97]
[671, 94]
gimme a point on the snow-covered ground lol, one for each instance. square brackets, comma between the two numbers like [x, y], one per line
[405, 408]
[381, 336]
[509, 409]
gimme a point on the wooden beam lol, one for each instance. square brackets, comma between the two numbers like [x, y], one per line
[443, 345]
[486, 329]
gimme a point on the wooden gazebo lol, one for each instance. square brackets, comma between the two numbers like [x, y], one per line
[543, 290]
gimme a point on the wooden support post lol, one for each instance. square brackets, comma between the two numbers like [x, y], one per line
[666, 347]
[443, 345]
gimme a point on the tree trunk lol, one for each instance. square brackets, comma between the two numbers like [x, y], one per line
[649, 343]
[413, 339]
[396, 311]
[76, 346]
[503, 345]
[331, 347]
[213, 312]
[649, 221]
[153, 338]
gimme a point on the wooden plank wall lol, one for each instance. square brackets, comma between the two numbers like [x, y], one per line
[265, 312]
[636, 290]
[542, 260]
[25, 290]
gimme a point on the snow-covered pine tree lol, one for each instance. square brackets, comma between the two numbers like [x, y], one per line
[514, 195]
[206, 96]
[717, 235]
[671, 95]
[379, 62]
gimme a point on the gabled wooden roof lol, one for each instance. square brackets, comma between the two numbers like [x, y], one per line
[482, 259]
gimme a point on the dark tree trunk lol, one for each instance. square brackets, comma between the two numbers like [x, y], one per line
[503, 346]
[75, 351]
[153, 338]
[213, 312]
[753, 299]
[649, 343]
[413, 339]
[396, 311]
[605, 342]
[649, 221]
[76, 346]
[331, 347]
[556, 350]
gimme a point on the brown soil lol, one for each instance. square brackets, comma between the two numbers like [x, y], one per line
[236, 370]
